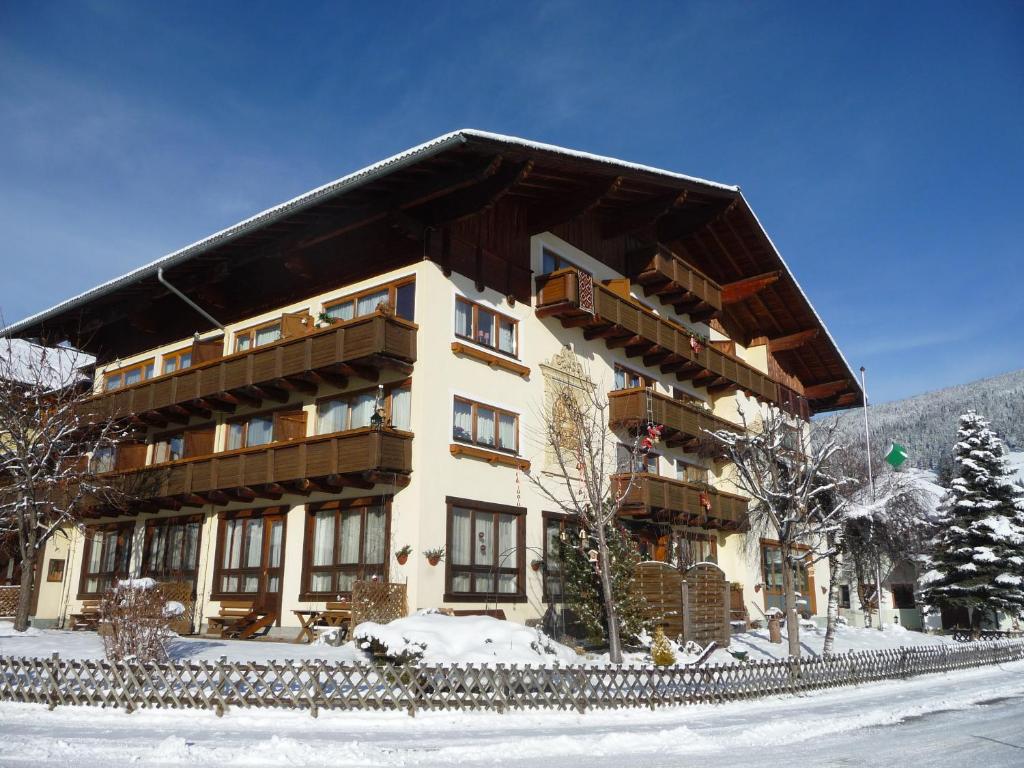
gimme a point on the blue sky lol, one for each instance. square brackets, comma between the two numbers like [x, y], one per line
[880, 144]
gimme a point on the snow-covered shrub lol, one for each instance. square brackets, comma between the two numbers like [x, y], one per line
[135, 620]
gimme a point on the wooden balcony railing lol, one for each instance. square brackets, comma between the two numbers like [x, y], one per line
[358, 458]
[625, 323]
[673, 281]
[685, 425]
[683, 503]
[360, 347]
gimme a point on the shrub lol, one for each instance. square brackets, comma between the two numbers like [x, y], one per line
[135, 620]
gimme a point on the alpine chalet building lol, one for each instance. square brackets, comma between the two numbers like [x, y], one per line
[366, 368]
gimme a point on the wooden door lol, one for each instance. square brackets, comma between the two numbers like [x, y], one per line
[272, 568]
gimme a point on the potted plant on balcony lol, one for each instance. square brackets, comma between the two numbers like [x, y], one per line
[402, 555]
[434, 556]
[323, 320]
[536, 564]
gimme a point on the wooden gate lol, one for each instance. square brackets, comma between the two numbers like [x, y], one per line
[706, 597]
[661, 586]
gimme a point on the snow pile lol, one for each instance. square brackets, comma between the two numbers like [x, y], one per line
[434, 637]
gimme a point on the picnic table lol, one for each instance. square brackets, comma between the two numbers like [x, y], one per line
[334, 615]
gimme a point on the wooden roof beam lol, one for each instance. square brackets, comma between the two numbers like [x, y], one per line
[826, 389]
[733, 293]
[792, 340]
[475, 199]
[586, 200]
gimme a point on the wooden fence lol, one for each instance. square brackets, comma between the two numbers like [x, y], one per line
[317, 684]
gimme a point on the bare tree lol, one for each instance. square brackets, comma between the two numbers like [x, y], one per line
[589, 479]
[786, 476]
[48, 430]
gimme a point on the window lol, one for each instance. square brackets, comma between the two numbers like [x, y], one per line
[346, 541]
[54, 569]
[697, 548]
[401, 297]
[627, 379]
[771, 564]
[552, 262]
[177, 361]
[172, 548]
[265, 428]
[844, 595]
[106, 559]
[250, 552]
[559, 530]
[125, 377]
[486, 327]
[903, 596]
[486, 556]
[485, 426]
[103, 460]
[689, 472]
[353, 411]
[258, 336]
[625, 461]
[184, 444]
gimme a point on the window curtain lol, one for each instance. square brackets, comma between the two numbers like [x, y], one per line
[508, 552]
[191, 546]
[323, 537]
[350, 524]
[156, 549]
[461, 536]
[484, 426]
[507, 336]
[485, 328]
[332, 416]
[253, 543]
[344, 311]
[462, 427]
[401, 408]
[463, 319]
[109, 552]
[261, 431]
[276, 539]
[235, 431]
[175, 539]
[368, 304]
[483, 541]
[362, 409]
[373, 548]
[507, 432]
[267, 335]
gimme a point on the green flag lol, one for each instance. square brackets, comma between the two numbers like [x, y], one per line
[896, 455]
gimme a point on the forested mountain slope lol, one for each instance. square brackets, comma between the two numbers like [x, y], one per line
[926, 424]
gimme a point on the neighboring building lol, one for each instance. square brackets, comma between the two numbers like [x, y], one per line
[452, 286]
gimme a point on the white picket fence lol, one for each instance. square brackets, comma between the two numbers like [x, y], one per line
[315, 684]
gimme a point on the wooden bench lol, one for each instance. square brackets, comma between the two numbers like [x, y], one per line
[231, 612]
[88, 617]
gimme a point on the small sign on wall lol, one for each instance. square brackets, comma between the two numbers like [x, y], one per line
[55, 570]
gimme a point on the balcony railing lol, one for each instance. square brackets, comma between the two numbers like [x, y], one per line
[359, 347]
[685, 425]
[625, 323]
[673, 281]
[358, 458]
[682, 503]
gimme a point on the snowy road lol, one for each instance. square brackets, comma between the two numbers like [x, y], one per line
[962, 719]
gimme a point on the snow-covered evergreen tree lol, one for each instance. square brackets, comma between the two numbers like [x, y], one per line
[977, 558]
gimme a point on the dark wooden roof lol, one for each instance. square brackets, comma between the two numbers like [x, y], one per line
[471, 201]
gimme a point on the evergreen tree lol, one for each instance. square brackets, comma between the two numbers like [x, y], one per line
[582, 584]
[977, 558]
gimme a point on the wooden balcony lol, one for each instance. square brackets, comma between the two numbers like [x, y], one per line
[624, 323]
[685, 425]
[683, 503]
[673, 281]
[358, 459]
[356, 348]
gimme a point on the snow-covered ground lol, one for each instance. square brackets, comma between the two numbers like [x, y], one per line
[477, 639]
[938, 720]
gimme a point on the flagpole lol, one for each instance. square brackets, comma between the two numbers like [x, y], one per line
[871, 484]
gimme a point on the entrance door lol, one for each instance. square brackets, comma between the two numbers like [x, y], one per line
[272, 564]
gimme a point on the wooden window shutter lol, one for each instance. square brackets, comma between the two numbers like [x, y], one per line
[295, 324]
[207, 349]
[291, 425]
[130, 455]
[199, 442]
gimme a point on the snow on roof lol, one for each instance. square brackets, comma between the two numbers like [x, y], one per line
[52, 367]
